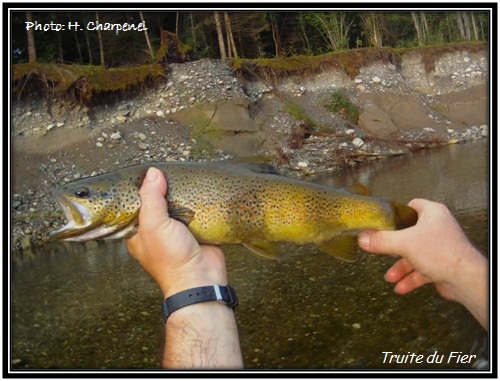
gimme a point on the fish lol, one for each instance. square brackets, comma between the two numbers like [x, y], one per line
[230, 204]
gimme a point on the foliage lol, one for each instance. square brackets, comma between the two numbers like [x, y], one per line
[342, 105]
[256, 34]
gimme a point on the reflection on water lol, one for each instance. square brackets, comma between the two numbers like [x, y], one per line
[92, 306]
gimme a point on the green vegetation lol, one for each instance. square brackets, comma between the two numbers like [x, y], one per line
[342, 105]
[300, 116]
[187, 35]
[80, 83]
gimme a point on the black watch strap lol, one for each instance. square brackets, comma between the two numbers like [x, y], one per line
[212, 293]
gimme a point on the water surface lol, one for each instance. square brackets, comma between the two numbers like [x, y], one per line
[91, 306]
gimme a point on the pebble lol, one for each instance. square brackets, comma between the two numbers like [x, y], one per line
[160, 113]
[141, 136]
[115, 136]
[376, 80]
[121, 118]
[358, 142]
[302, 164]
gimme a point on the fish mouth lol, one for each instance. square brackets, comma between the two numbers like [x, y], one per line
[79, 220]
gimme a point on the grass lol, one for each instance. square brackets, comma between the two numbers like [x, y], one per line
[339, 103]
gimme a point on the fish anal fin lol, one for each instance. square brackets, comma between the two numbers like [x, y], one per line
[264, 249]
[344, 247]
[181, 213]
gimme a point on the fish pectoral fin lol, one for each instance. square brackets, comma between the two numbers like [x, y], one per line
[344, 247]
[264, 249]
[181, 213]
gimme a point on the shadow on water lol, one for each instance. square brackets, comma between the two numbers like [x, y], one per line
[92, 306]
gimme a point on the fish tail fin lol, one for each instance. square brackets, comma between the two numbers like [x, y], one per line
[404, 215]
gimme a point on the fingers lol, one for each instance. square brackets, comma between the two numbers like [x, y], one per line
[382, 242]
[410, 282]
[405, 276]
[153, 204]
[398, 271]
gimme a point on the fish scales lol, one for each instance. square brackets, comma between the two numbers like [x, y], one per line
[227, 204]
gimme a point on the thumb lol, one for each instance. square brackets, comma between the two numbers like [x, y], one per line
[382, 242]
[153, 204]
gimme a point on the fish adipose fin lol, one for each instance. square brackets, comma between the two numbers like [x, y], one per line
[359, 188]
[264, 249]
[344, 247]
[181, 213]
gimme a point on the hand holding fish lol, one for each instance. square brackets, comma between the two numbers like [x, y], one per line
[166, 248]
[434, 250]
[175, 260]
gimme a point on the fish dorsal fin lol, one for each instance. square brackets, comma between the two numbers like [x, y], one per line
[359, 188]
[180, 213]
[264, 249]
[344, 247]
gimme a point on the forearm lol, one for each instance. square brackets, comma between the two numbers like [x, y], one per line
[473, 289]
[202, 336]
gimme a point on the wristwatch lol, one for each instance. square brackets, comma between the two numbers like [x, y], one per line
[213, 293]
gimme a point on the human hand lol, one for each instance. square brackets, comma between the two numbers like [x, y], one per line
[434, 250]
[166, 248]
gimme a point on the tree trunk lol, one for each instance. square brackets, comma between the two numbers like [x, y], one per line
[276, 35]
[31, 39]
[231, 47]
[220, 36]
[99, 37]
[150, 48]
[417, 28]
[474, 26]
[60, 48]
[87, 39]
[78, 47]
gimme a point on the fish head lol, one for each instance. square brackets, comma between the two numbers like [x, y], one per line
[100, 207]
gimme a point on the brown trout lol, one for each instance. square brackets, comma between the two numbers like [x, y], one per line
[228, 204]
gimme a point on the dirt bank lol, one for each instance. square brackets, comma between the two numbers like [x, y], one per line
[204, 111]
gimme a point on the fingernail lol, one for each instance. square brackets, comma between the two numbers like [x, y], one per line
[151, 175]
[364, 239]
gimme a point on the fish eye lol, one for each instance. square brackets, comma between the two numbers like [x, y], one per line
[82, 192]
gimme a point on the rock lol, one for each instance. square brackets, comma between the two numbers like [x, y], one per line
[358, 143]
[98, 144]
[121, 118]
[429, 129]
[16, 204]
[376, 80]
[115, 136]
[302, 164]
[358, 80]
[142, 146]
[141, 136]
[350, 131]
[50, 127]
[160, 113]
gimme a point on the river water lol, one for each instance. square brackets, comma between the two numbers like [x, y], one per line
[91, 306]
